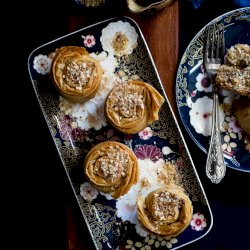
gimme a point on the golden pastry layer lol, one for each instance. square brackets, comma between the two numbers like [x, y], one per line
[131, 106]
[165, 211]
[111, 167]
[75, 74]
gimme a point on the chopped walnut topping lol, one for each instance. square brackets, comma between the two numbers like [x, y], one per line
[126, 101]
[120, 42]
[78, 73]
[169, 174]
[165, 207]
[239, 55]
[112, 164]
[108, 169]
[235, 74]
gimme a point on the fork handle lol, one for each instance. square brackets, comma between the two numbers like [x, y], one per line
[215, 167]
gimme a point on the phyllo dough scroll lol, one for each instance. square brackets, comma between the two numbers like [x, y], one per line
[132, 106]
[111, 167]
[75, 74]
[165, 211]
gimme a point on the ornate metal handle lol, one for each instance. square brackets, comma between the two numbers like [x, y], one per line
[215, 167]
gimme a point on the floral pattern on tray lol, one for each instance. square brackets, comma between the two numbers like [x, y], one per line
[75, 128]
[194, 94]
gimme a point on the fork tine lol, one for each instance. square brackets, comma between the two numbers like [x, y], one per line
[207, 45]
[218, 42]
[214, 48]
[223, 44]
[213, 41]
[209, 40]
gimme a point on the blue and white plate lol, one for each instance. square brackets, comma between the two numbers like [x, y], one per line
[194, 93]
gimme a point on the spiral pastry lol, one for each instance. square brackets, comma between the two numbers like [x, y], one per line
[165, 211]
[111, 167]
[75, 74]
[131, 106]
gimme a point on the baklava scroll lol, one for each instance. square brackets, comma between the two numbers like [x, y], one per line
[111, 167]
[75, 74]
[132, 106]
[165, 211]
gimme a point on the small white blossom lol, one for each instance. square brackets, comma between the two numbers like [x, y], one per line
[42, 64]
[88, 192]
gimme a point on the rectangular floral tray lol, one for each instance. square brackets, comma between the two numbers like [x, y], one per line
[75, 128]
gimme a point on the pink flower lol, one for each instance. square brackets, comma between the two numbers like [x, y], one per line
[193, 93]
[198, 222]
[148, 152]
[89, 41]
[146, 133]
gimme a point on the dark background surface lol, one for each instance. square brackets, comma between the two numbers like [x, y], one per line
[38, 185]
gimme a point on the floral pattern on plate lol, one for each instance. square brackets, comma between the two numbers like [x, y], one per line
[194, 94]
[75, 128]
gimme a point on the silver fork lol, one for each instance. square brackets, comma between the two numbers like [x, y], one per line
[213, 58]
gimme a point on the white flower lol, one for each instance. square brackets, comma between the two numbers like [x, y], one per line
[107, 83]
[89, 115]
[42, 64]
[119, 38]
[126, 212]
[88, 192]
[203, 83]
[108, 62]
[201, 115]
